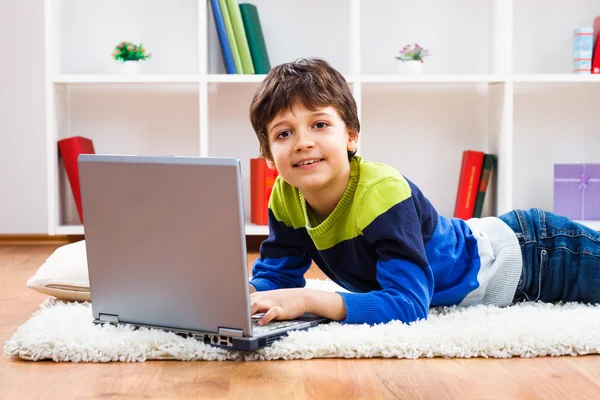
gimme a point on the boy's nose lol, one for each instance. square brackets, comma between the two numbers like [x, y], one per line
[303, 141]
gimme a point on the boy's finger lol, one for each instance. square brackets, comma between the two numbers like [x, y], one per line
[271, 315]
[260, 306]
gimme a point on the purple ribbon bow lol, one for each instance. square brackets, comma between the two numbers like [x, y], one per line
[583, 182]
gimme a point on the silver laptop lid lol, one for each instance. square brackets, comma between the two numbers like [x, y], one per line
[165, 241]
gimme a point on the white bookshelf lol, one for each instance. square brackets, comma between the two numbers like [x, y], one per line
[499, 80]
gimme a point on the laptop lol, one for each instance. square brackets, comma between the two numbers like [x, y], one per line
[166, 248]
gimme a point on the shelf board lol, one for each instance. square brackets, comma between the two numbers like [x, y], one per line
[388, 78]
[234, 78]
[254, 230]
[69, 230]
[595, 225]
[118, 78]
[433, 78]
[251, 229]
[555, 78]
[162, 78]
[246, 78]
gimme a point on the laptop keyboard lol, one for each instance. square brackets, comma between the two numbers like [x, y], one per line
[273, 325]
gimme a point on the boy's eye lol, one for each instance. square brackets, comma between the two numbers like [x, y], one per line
[283, 134]
[321, 125]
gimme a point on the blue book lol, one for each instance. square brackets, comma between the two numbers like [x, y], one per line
[223, 40]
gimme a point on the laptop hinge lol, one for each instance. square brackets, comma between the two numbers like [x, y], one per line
[231, 332]
[109, 318]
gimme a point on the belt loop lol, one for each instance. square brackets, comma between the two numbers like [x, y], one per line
[542, 221]
[524, 225]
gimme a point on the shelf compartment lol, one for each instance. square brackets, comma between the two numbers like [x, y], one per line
[230, 133]
[122, 122]
[432, 124]
[543, 33]
[553, 123]
[295, 29]
[457, 33]
[86, 32]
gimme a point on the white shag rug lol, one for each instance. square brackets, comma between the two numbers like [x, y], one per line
[63, 331]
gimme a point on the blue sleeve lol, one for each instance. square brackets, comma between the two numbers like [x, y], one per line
[403, 272]
[282, 262]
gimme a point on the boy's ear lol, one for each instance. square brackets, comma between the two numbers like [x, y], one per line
[352, 140]
[270, 164]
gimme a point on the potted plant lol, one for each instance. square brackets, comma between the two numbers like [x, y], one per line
[410, 60]
[130, 55]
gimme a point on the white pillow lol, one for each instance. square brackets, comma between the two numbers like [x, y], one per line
[64, 274]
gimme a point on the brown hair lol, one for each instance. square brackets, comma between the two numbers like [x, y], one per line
[310, 82]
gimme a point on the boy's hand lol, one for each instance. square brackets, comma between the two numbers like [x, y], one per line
[284, 304]
[278, 304]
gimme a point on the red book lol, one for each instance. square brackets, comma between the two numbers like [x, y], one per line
[262, 179]
[468, 183]
[596, 51]
[70, 149]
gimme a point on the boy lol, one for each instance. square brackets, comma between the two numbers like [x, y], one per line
[373, 232]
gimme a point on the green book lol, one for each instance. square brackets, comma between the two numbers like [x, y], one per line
[256, 40]
[231, 36]
[488, 164]
[240, 36]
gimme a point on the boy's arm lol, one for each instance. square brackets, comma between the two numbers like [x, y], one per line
[288, 304]
[405, 276]
[282, 262]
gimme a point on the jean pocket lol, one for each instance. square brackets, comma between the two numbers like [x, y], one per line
[543, 265]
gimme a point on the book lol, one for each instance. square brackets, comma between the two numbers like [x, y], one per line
[596, 53]
[489, 161]
[240, 37]
[223, 39]
[69, 151]
[256, 40]
[582, 50]
[262, 179]
[468, 183]
[231, 36]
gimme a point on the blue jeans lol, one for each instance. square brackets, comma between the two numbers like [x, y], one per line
[561, 258]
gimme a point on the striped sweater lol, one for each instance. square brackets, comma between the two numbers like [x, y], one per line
[386, 244]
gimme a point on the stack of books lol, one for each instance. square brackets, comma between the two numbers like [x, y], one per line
[240, 37]
[476, 168]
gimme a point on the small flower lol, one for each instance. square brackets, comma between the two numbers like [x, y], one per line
[413, 52]
[127, 51]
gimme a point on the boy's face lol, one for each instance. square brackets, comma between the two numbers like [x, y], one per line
[310, 148]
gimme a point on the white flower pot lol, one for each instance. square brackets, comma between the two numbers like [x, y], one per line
[409, 67]
[130, 67]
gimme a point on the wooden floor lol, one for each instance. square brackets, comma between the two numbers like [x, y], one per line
[541, 378]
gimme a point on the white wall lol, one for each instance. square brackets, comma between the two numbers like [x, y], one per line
[23, 196]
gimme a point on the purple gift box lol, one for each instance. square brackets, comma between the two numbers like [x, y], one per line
[577, 191]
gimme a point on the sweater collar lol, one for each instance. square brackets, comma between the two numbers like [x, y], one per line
[344, 203]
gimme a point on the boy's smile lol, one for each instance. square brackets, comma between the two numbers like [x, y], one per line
[310, 152]
[308, 163]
